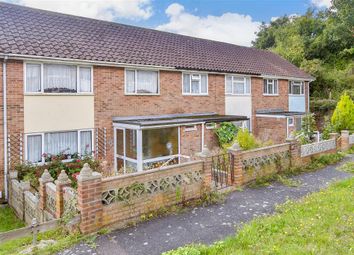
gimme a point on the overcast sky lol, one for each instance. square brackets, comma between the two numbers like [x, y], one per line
[233, 21]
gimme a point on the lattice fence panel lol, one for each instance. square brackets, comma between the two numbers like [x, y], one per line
[15, 144]
[101, 143]
[314, 148]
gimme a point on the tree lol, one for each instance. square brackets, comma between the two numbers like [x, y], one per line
[343, 115]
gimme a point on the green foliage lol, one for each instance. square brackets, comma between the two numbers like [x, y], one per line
[308, 126]
[8, 219]
[347, 167]
[321, 223]
[320, 42]
[246, 140]
[226, 133]
[31, 172]
[327, 130]
[343, 116]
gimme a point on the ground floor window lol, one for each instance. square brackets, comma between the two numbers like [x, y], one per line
[156, 147]
[41, 147]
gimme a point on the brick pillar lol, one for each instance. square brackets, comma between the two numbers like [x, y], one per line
[344, 140]
[62, 181]
[45, 178]
[235, 152]
[335, 137]
[295, 152]
[205, 156]
[90, 199]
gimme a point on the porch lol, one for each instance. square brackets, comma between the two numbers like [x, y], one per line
[148, 142]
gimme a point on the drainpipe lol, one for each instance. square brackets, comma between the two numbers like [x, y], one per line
[5, 123]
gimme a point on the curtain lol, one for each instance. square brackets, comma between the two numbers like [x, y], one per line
[228, 89]
[85, 79]
[85, 143]
[34, 148]
[59, 78]
[204, 84]
[33, 78]
[265, 86]
[130, 81]
[63, 142]
[239, 85]
[275, 89]
[147, 82]
[248, 85]
[186, 83]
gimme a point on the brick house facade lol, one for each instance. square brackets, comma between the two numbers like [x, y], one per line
[42, 114]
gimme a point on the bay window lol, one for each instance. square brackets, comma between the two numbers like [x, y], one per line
[194, 84]
[68, 144]
[237, 85]
[57, 78]
[141, 82]
[270, 87]
[296, 88]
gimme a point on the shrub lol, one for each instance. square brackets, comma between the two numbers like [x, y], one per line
[226, 133]
[328, 128]
[246, 140]
[308, 126]
[343, 115]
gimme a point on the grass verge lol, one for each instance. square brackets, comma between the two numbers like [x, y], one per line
[320, 223]
[8, 220]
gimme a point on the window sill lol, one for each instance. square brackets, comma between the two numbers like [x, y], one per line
[196, 95]
[297, 95]
[245, 95]
[271, 95]
[58, 94]
[141, 94]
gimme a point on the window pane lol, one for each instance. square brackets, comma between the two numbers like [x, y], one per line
[85, 143]
[130, 143]
[248, 85]
[34, 148]
[120, 142]
[265, 87]
[239, 88]
[195, 87]
[204, 84]
[59, 78]
[61, 143]
[296, 90]
[275, 87]
[120, 166]
[130, 167]
[147, 82]
[130, 81]
[290, 85]
[186, 83]
[160, 142]
[33, 78]
[270, 88]
[85, 79]
[228, 84]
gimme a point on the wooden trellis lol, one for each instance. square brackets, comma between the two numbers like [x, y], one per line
[101, 143]
[14, 149]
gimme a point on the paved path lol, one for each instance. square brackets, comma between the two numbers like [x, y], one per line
[207, 224]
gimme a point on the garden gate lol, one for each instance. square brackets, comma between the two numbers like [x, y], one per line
[222, 173]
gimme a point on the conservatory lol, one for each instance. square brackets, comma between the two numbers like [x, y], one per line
[147, 142]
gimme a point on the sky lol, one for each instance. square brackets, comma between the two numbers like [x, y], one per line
[232, 21]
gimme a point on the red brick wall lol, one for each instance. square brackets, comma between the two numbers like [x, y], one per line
[15, 101]
[273, 129]
[110, 100]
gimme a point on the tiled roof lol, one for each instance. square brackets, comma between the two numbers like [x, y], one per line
[27, 31]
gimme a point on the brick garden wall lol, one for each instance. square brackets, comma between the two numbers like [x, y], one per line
[273, 129]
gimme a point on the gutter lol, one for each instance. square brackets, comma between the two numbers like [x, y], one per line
[4, 74]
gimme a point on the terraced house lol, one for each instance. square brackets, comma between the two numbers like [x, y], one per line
[133, 96]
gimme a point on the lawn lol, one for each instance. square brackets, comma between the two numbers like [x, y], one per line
[320, 223]
[8, 220]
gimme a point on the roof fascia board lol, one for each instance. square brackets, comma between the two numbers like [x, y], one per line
[265, 76]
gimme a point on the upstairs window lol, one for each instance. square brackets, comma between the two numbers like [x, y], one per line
[270, 87]
[296, 88]
[58, 78]
[195, 84]
[237, 85]
[141, 82]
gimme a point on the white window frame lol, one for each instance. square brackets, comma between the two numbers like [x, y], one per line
[78, 92]
[188, 128]
[43, 145]
[210, 125]
[136, 79]
[292, 121]
[273, 82]
[191, 74]
[232, 85]
[302, 88]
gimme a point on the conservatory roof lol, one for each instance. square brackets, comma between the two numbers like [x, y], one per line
[176, 119]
